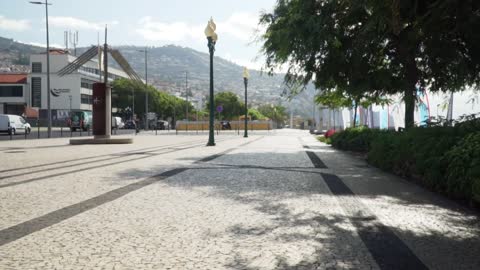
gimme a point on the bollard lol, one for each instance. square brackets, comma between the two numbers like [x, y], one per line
[25, 134]
[156, 130]
[11, 134]
[38, 130]
[61, 131]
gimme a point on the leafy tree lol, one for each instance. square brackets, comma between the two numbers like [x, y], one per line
[277, 113]
[376, 46]
[232, 106]
[255, 114]
[162, 103]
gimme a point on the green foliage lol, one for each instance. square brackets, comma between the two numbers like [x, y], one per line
[255, 114]
[232, 107]
[463, 171]
[445, 159]
[375, 47]
[162, 103]
[277, 113]
[324, 140]
[353, 139]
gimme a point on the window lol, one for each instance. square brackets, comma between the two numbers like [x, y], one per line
[36, 92]
[36, 67]
[84, 83]
[11, 91]
[86, 99]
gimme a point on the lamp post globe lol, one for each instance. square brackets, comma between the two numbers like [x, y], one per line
[212, 38]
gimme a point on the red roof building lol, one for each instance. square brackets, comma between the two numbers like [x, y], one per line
[13, 78]
[13, 93]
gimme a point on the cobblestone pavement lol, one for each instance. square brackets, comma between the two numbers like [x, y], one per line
[277, 200]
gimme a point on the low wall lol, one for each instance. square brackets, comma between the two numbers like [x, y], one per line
[203, 125]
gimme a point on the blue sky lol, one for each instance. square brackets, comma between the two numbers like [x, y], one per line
[141, 22]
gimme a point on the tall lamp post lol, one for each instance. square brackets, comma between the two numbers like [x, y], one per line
[146, 88]
[49, 110]
[245, 81]
[212, 40]
[186, 98]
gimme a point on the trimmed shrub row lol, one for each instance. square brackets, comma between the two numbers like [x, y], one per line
[444, 159]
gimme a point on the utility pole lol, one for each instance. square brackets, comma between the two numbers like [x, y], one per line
[146, 91]
[186, 93]
[186, 96]
[49, 109]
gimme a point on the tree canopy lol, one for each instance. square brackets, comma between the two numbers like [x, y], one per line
[163, 104]
[277, 113]
[232, 106]
[377, 47]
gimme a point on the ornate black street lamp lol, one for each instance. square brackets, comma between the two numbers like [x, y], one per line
[246, 75]
[212, 39]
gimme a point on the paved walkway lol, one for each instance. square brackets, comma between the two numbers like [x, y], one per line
[279, 200]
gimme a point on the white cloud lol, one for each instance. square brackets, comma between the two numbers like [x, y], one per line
[241, 26]
[160, 31]
[14, 25]
[52, 45]
[78, 24]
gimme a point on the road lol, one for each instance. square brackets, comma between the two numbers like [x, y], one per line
[277, 200]
[57, 133]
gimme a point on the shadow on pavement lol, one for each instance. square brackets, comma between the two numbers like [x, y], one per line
[241, 177]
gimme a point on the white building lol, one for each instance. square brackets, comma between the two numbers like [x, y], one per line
[70, 92]
[14, 91]
[393, 116]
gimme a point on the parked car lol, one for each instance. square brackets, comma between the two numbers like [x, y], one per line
[226, 125]
[80, 120]
[130, 124]
[160, 125]
[117, 122]
[13, 124]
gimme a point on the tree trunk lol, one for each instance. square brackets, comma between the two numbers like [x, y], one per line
[355, 114]
[410, 91]
[412, 77]
[409, 99]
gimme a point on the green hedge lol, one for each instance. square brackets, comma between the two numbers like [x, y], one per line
[445, 159]
[324, 139]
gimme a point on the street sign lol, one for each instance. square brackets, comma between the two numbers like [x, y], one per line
[219, 108]
[151, 116]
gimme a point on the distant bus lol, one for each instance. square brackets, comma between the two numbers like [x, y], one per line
[80, 120]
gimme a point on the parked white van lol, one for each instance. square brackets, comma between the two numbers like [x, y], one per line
[13, 124]
[117, 122]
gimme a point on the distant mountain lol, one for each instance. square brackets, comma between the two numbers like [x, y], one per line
[167, 66]
[15, 56]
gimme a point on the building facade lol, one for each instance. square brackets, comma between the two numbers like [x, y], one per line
[14, 91]
[70, 92]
